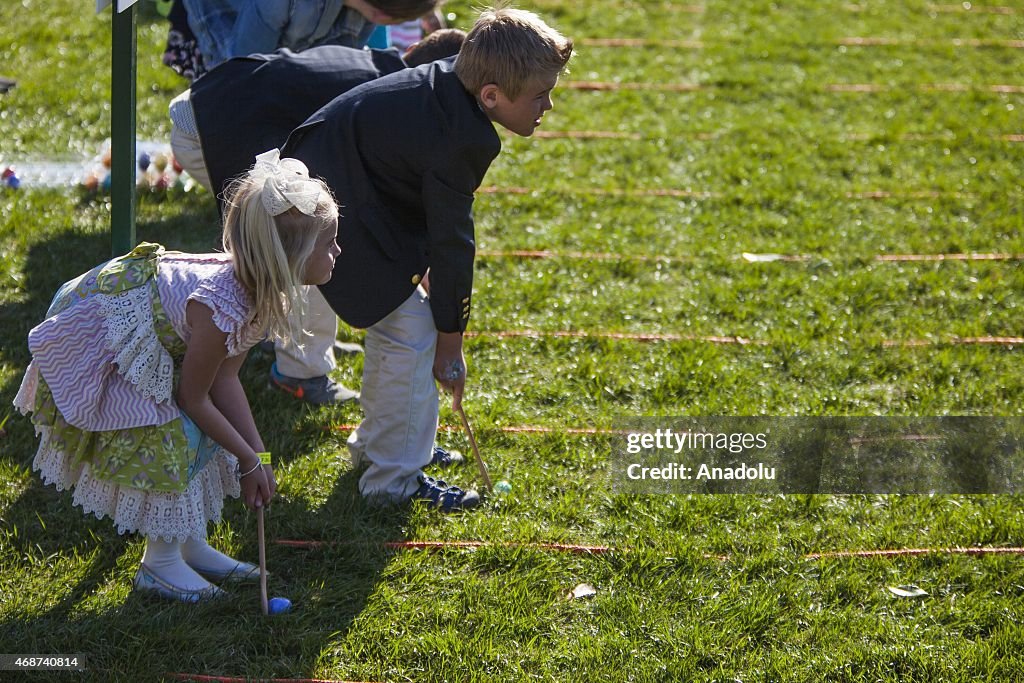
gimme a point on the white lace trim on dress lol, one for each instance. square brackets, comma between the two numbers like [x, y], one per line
[140, 357]
[25, 401]
[170, 516]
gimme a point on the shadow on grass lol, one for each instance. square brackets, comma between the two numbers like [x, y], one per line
[74, 572]
[126, 636]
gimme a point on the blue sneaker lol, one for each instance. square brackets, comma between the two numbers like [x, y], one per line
[443, 496]
[443, 458]
[439, 457]
[316, 390]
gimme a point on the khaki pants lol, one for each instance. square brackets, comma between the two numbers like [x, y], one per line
[188, 151]
[400, 401]
[316, 356]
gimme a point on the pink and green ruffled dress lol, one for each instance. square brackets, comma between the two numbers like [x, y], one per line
[101, 385]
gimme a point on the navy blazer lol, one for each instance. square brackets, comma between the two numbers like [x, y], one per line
[248, 105]
[403, 155]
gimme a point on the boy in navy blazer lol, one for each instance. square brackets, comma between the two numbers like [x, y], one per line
[403, 155]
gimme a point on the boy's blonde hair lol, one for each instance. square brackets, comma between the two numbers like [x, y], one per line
[269, 252]
[510, 47]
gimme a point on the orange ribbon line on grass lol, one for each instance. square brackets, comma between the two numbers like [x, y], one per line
[864, 41]
[509, 429]
[789, 258]
[913, 552]
[571, 548]
[1003, 88]
[588, 135]
[632, 85]
[849, 41]
[971, 7]
[611, 86]
[599, 191]
[622, 135]
[950, 257]
[642, 42]
[626, 336]
[204, 678]
[699, 194]
[919, 194]
[955, 341]
[583, 255]
[584, 549]
[741, 341]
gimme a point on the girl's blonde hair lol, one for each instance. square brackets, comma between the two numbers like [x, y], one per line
[270, 252]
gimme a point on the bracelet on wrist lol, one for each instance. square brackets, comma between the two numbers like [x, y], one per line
[264, 457]
[257, 466]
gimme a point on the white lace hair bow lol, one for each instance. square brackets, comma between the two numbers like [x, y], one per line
[287, 184]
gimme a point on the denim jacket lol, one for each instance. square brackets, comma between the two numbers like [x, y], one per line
[235, 28]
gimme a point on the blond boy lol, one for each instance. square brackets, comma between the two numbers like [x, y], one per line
[404, 155]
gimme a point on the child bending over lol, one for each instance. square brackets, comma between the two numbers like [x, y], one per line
[404, 154]
[133, 385]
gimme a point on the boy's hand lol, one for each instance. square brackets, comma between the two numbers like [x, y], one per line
[450, 366]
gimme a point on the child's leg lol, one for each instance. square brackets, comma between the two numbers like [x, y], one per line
[214, 564]
[399, 398]
[185, 142]
[316, 358]
[164, 559]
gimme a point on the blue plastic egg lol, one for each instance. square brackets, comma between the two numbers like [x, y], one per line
[278, 605]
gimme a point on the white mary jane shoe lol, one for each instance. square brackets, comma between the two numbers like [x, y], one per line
[242, 572]
[147, 582]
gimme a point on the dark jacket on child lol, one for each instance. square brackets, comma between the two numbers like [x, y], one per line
[248, 105]
[403, 155]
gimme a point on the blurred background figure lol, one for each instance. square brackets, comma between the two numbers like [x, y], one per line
[205, 33]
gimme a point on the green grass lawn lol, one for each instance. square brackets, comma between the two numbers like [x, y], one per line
[769, 152]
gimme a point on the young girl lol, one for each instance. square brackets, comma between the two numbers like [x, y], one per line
[134, 387]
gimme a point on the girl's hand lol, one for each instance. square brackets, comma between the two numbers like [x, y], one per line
[271, 482]
[259, 487]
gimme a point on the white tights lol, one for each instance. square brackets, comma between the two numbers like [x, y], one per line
[173, 561]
